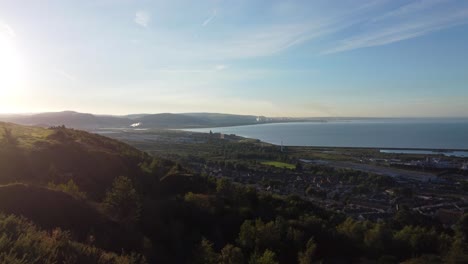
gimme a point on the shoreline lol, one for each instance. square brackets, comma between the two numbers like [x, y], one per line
[188, 130]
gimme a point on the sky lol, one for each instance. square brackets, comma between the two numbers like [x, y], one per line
[369, 58]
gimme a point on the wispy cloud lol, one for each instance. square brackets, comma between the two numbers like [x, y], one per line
[209, 19]
[255, 42]
[406, 22]
[5, 29]
[262, 39]
[178, 71]
[64, 74]
[221, 67]
[346, 27]
[410, 8]
[142, 18]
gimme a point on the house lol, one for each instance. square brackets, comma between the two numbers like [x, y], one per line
[448, 217]
[464, 166]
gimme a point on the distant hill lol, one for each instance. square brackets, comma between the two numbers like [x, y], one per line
[165, 120]
[194, 120]
[216, 119]
[71, 119]
[171, 121]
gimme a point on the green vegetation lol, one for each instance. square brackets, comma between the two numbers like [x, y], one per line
[23, 243]
[122, 201]
[22, 136]
[163, 120]
[91, 199]
[70, 187]
[279, 164]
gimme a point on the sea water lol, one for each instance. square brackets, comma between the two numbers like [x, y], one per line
[367, 133]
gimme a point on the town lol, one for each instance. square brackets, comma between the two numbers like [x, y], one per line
[366, 184]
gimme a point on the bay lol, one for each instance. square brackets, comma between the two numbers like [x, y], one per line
[368, 133]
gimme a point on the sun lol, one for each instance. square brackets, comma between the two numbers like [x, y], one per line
[12, 71]
[10, 65]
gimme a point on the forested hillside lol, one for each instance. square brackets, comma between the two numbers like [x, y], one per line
[68, 196]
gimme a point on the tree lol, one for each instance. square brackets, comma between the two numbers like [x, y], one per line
[418, 240]
[122, 201]
[458, 253]
[231, 255]
[354, 230]
[70, 187]
[224, 187]
[268, 257]
[299, 166]
[53, 173]
[204, 253]
[425, 259]
[247, 235]
[9, 138]
[462, 227]
[257, 235]
[306, 256]
[378, 238]
[295, 237]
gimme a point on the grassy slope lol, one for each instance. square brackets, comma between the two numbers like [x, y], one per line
[40, 155]
[27, 136]
[54, 209]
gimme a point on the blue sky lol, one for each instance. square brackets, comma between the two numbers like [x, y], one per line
[275, 58]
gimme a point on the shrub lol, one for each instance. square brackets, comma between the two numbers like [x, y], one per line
[21, 242]
[70, 187]
[122, 201]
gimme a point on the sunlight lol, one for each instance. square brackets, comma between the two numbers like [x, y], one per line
[12, 68]
[13, 74]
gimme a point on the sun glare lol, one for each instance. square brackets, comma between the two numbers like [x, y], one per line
[12, 72]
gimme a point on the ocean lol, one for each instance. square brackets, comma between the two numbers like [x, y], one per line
[367, 133]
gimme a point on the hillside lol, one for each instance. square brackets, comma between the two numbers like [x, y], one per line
[38, 155]
[90, 199]
[61, 178]
[51, 209]
[70, 119]
[216, 119]
[165, 120]
[171, 121]
[23, 243]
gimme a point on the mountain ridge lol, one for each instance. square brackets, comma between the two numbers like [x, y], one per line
[89, 121]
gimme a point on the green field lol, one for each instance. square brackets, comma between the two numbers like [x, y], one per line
[279, 164]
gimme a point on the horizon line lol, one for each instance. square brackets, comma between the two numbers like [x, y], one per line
[202, 112]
